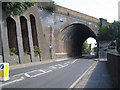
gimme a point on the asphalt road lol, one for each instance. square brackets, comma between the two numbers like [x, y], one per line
[61, 74]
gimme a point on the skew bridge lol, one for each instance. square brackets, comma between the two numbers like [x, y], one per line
[72, 29]
[56, 35]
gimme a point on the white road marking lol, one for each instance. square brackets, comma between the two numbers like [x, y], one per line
[12, 82]
[27, 75]
[25, 72]
[40, 74]
[36, 75]
[65, 65]
[42, 71]
[61, 66]
[33, 71]
[18, 75]
[53, 67]
[22, 77]
[74, 61]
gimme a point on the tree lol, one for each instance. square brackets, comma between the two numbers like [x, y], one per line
[16, 8]
[107, 32]
[85, 47]
[110, 32]
[117, 28]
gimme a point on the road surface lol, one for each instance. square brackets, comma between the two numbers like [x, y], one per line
[61, 74]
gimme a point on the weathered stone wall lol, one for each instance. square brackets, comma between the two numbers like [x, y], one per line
[22, 57]
[1, 57]
[43, 43]
[114, 68]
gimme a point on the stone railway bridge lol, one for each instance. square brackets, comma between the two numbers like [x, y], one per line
[58, 34]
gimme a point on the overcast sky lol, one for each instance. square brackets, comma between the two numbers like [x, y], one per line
[107, 9]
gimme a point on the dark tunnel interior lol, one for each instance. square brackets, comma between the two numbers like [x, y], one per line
[74, 36]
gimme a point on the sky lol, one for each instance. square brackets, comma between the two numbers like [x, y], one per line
[107, 9]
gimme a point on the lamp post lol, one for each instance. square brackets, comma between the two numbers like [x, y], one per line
[119, 11]
[50, 46]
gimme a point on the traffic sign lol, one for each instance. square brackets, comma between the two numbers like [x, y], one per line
[4, 71]
[1, 66]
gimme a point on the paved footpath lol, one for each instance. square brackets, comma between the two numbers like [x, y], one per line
[97, 77]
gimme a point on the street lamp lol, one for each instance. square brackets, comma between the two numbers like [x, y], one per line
[50, 46]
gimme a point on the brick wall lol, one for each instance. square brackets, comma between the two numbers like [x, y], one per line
[75, 13]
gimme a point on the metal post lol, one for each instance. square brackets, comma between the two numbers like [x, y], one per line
[50, 42]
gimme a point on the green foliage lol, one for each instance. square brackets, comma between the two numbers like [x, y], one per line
[85, 47]
[51, 8]
[16, 8]
[110, 32]
[107, 33]
[95, 49]
[117, 27]
[13, 51]
[36, 50]
[27, 52]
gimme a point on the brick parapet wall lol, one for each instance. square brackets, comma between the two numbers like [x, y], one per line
[75, 13]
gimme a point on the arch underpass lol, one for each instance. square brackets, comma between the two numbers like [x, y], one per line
[74, 36]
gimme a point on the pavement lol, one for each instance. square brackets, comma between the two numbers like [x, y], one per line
[96, 77]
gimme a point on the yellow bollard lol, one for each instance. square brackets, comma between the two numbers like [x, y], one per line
[4, 71]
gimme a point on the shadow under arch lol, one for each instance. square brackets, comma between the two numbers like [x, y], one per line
[12, 40]
[25, 38]
[35, 36]
[34, 30]
[74, 36]
[12, 35]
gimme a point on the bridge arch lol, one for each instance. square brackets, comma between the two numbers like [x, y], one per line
[92, 26]
[74, 36]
